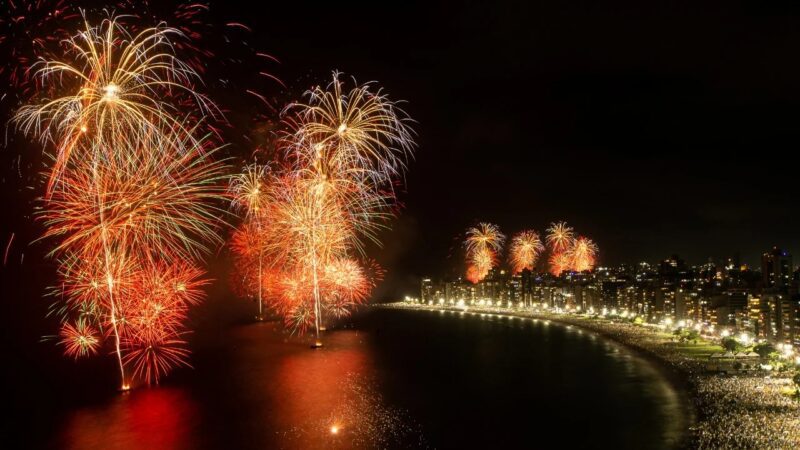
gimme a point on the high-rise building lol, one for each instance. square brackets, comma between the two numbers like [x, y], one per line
[426, 290]
[776, 269]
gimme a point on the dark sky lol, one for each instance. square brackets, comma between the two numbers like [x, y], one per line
[652, 127]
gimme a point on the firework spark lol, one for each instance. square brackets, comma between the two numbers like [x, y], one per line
[560, 237]
[131, 193]
[344, 149]
[525, 250]
[29, 30]
[583, 254]
[249, 194]
[483, 245]
[116, 90]
[80, 339]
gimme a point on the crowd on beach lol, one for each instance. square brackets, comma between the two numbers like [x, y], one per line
[732, 411]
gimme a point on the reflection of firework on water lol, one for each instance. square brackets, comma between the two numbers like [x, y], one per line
[526, 247]
[361, 420]
[483, 245]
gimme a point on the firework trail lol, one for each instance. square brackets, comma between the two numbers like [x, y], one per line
[131, 192]
[117, 90]
[249, 195]
[345, 148]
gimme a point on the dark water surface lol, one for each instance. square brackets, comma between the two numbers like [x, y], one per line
[388, 379]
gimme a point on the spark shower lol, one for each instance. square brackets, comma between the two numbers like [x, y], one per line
[137, 192]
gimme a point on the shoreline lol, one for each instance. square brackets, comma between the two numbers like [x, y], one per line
[741, 411]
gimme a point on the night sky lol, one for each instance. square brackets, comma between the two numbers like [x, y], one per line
[652, 127]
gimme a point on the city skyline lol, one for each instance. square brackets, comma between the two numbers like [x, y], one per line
[455, 270]
[762, 301]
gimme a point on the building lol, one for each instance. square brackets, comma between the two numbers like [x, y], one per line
[776, 269]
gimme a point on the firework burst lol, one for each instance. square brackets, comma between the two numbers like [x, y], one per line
[250, 195]
[560, 237]
[583, 254]
[130, 194]
[344, 150]
[80, 339]
[525, 250]
[483, 245]
[120, 90]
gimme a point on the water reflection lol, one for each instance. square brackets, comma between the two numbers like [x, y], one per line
[160, 418]
[397, 379]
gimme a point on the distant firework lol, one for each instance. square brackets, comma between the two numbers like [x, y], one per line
[526, 247]
[483, 245]
[583, 254]
[559, 237]
[559, 262]
[566, 252]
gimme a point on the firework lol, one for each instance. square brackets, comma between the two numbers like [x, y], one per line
[312, 230]
[559, 237]
[116, 90]
[559, 262]
[344, 148]
[583, 254]
[355, 135]
[249, 194]
[483, 245]
[349, 146]
[249, 191]
[153, 340]
[343, 284]
[525, 250]
[130, 194]
[80, 339]
[29, 30]
[162, 204]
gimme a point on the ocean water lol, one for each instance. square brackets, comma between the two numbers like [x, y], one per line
[384, 379]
